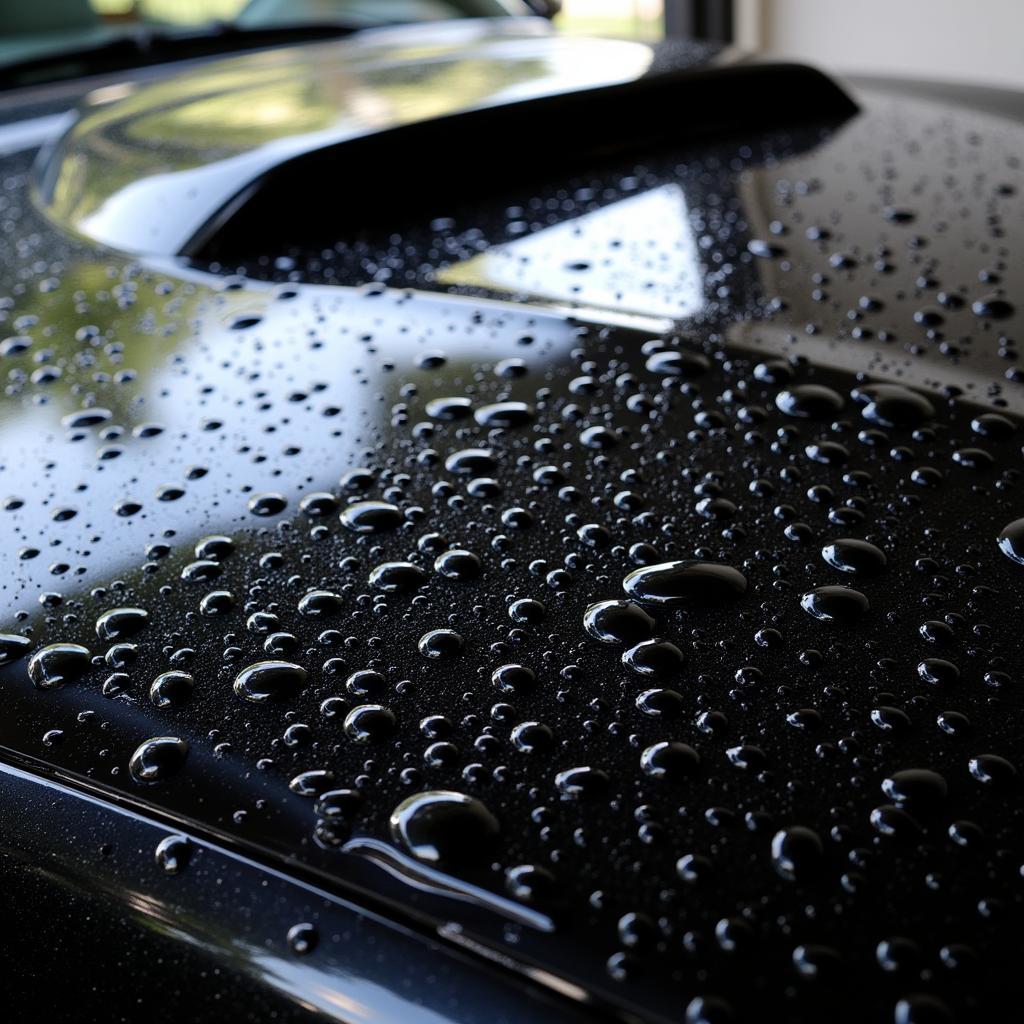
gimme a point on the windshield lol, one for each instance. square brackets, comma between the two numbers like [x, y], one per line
[31, 30]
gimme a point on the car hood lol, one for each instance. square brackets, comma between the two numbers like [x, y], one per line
[622, 525]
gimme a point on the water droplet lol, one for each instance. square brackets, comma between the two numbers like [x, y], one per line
[992, 769]
[994, 426]
[318, 604]
[458, 564]
[938, 671]
[817, 962]
[445, 828]
[654, 657]
[119, 623]
[693, 868]
[312, 783]
[216, 602]
[857, 557]
[797, 853]
[530, 883]
[809, 401]
[504, 414]
[397, 577]
[371, 517]
[269, 680]
[56, 664]
[898, 955]
[670, 760]
[582, 783]
[171, 689]
[201, 572]
[617, 622]
[709, 1010]
[893, 405]
[86, 418]
[214, 548]
[173, 854]
[671, 583]
[13, 647]
[661, 703]
[338, 803]
[1011, 541]
[471, 462]
[157, 759]
[514, 678]
[370, 722]
[440, 643]
[890, 719]
[992, 307]
[922, 1008]
[267, 504]
[835, 604]
[893, 821]
[302, 938]
[449, 409]
[532, 737]
[678, 363]
[918, 787]
[599, 438]
[953, 723]
[527, 611]
[318, 504]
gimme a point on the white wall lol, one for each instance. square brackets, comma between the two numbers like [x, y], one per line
[957, 40]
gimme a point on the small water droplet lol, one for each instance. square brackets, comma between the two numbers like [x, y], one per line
[445, 828]
[119, 623]
[835, 604]
[56, 664]
[269, 680]
[371, 517]
[171, 689]
[157, 759]
[797, 853]
[617, 622]
[670, 583]
[173, 854]
[302, 938]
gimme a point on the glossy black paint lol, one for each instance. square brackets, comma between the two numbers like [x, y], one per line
[103, 930]
[669, 309]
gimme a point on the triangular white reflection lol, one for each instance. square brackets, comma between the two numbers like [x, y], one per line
[638, 255]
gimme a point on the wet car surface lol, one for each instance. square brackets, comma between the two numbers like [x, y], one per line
[606, 583]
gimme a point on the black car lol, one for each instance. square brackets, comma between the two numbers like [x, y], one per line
[506, 527]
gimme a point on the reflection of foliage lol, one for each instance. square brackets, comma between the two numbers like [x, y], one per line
[144, 318]
[178, 12]
[239, 105]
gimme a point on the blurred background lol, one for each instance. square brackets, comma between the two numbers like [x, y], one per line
[954, 40]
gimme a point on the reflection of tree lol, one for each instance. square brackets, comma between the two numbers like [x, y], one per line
[148, 317]
[239, 105]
